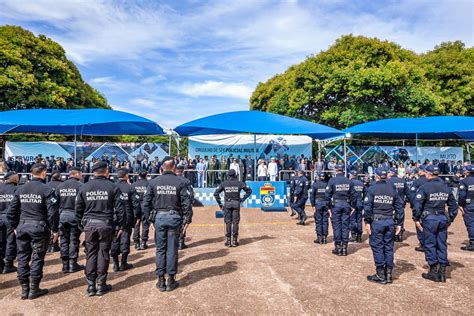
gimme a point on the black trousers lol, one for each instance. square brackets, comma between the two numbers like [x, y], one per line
[7, 241]
[231, 220]
[32, 239]
[145, 230]
[121, 245]
[69, 234]
[98, 239]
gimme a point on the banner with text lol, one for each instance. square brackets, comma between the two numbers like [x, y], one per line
[88, 150]
[241, 145]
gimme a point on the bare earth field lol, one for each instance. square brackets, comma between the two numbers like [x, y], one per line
[276, 270]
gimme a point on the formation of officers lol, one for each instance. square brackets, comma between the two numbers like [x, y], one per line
[107, 212]
[381, 204]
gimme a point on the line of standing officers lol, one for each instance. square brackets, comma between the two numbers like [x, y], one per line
[105, 211]
[380, 204]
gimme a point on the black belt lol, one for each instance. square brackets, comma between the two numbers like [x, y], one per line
[68, 210]
[436, 212]
[99, 221]
[320, 200]
[345, 201]
[31, 221]
[229, 200]
[382, 217]
[161, 212]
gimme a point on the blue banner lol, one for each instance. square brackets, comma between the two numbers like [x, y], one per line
[267, 195]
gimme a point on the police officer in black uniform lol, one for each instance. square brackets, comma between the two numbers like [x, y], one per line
[167, 201]
[99, 208]
[466, 202]
[188, 220]
[33, 213]
[300, 193]
[121, 244]
[7, 235]
[356, 215]
[69, 231]
[431, 218]
[232, 188]
[54, 182]
[341, 194]
[401, 187]
[140, 187]
[320, 207]
[416, 184]
[383, 215]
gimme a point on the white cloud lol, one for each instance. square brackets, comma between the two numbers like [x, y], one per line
[215, 89]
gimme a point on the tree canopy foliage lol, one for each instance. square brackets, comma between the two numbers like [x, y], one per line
[35, 73]
[360, 79]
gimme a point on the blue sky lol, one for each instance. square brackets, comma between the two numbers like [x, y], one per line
[173, 61]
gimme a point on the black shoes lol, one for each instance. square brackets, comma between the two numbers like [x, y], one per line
[123, 264]
[227, 242]
[102, 289]
[35, 291]
[8, 267]
[318, 240]
[234, 242]
[420, 248]
[161, 285]
[359, 238]
[302, 219]
[469, 247]
[143, 246]
[116, 264]
[324, 240]
[137, 246]
[74, 267]
[353, 238]
[25, 290]
[54, 248]
[65, 265]
[433, 274]
[171, 283]
[378, 277]
[91, 289]
[388, 275]
[182, 245]
[344, 250]
[442, 273]
[337, 250]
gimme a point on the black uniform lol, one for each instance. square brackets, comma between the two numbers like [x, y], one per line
[299, 189]
[466, 201]
[186, 220]
[356, 215]
[54, 245]
[401, 187]
[321, 215]
[383, 210]
[140, 188]
[33, 213]
[232, 188]
[121, 244]
[7, 235]
[69, 231]
[99, 208]
[416, 184]
[167, 200]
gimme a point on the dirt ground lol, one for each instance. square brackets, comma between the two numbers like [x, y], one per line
[276, 270]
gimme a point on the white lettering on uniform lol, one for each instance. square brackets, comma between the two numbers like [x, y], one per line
[6, 198]
[231, 189]
[166, 189]
[342, 187]
[97, 195]
[439, 196]
[383, 199]
[67, 192]
[31, 198]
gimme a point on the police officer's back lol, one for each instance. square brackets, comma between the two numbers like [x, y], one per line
[68, 225]
[401, 187]
[356, 215]
[320, 205]
[7, 235]
[140, 188]
[166, 202]
[300, 190]
[232, 188]
[33, 213]
[466, 202]
[99, 209]
[189, 218]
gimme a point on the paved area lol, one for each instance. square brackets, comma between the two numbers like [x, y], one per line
[276, 270]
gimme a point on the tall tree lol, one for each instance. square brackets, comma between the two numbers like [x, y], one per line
[357, 79]
[35, 73]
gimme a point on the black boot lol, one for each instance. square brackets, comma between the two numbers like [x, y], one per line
[116, 263]
[388, 275]
[182, 245]
[143, 246]
[235, 242]
[74, 267]
[420, 248]
[432, 274]
[325, 240]
[359, 238]
[442, 273]
[124, 265]
[378, 277]
[25, 290]
[103, 288]
[353, 237]
[468, 247]
[337, 250]
[137, 246]
[65, 265]
[35, 291]
[91, 288]
[227, 242]
[318, 240]
[161, 285]
[302, 219]
[344, 250]
[8, 267]
[171, 284]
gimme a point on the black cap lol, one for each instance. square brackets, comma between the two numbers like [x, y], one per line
[122, 172]
[232, 173]
[39, 166]
[55, 172]
[381, 172]
[99, 165]
[432, 169]
[9, 174]
[166, 159]
[339, 167]
[180, 167]
[75, 169]
[142, 173]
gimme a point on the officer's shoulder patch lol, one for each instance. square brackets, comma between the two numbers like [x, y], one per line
[461, 186]
[412, 188]
[327, 188]
[418, 196]
[53, 200]
[366, 199]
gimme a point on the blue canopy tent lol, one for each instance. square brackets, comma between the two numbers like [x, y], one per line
[428, 128]
[93, 122]
[255, 122]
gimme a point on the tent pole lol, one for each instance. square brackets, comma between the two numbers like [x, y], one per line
[255, 157]
[319, 149]
[345, 157]
[416, 144]
[75, 147]
[169, 143]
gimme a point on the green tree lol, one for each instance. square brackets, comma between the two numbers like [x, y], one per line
[356, 80]
[35, 73]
